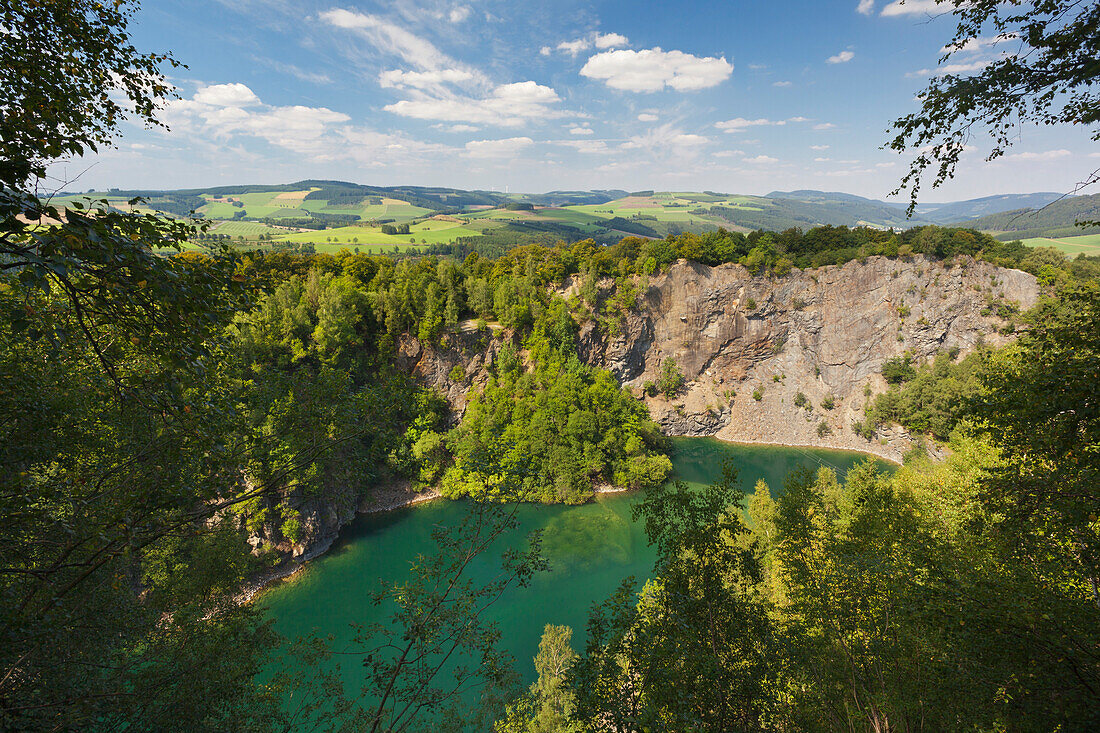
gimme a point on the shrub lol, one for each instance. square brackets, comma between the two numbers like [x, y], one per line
[899, 369]
[823, 429]
[671, 380]
[650, 388]
[800, 400]
[758, 393]
[750, 304]
[458, 374]
[829, 402]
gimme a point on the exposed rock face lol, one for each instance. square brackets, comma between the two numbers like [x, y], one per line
[820, 332]
[823, 332]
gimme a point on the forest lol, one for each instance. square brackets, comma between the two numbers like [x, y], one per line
[161, 408]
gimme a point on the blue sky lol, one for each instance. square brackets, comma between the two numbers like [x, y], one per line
[740, 97]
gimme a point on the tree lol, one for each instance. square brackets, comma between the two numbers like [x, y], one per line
[548, 707]
[1047, 73]
[671, 379]
[694, 650]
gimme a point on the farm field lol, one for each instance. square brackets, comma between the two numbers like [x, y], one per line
[1088, 244]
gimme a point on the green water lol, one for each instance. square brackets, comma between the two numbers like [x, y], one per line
[591, 548]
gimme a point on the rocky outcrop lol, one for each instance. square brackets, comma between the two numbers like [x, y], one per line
[747, 345]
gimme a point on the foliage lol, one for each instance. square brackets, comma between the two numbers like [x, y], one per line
[1045, 73]
[930, 399]
[555, 426]
[550, 704]
[693, 651]
[671, 380]
[62, 112]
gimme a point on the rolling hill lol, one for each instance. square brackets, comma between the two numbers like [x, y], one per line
[331, 215]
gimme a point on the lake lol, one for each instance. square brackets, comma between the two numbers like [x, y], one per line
[591, 548]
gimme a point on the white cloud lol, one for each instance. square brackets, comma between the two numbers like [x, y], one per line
[1043, 156]
[665, 142]
[824, 126]
[915, 7]
[762, 159]
[819, 147]
[651, 70]
[227, 95]
[866, 7]
[781, 83]
[973, 45]
[546, 50]
[458, 14]
[950, 69]
[647, 117]
[841, 58]
[737, 124]
[457, 128]
[504, 148]
[575, 47]
[729, 153]
[740, 124]
[318, 132]
[580, 131]
[509, 105]
[389, 38]
[395, 78]
[822, 160]
[611, 40]
[587, 146]
[1094, 155]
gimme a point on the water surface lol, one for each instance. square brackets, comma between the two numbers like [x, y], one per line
[591, 548]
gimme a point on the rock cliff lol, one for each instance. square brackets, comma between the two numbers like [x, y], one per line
[823, 332]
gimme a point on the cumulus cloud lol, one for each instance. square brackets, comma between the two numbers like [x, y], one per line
[610, 40]
[457, 128]
[597, 40]
[546, 50]
[319, 132]
[648, 117]
[504, 148]
[819, 147]
[914, 7]
[781, 83]
[824, 126]
[227, 95]
[651, 70]
[395, 78]
[841, 58]
[866, 7]
[760, 159]
[575, 47]
[458, 14]
[580, 131]
[509, 105]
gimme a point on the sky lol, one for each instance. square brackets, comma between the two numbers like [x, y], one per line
[731, 96]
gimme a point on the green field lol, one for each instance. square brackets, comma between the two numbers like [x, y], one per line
[247, 229]
[1088, 244]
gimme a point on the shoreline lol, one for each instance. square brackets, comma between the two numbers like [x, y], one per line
[862, 451]
[391, 499]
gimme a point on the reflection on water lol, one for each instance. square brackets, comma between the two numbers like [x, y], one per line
[581, 540]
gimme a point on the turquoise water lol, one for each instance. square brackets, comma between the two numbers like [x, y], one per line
[591, 548]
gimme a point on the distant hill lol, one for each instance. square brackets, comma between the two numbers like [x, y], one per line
[1057, 219]
[954, 212]
[961, 211]
[831, 207]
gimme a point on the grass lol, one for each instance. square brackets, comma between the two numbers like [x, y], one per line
[1088, 244]
[244, 229]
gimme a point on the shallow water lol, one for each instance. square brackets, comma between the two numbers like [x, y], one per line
[591, 548]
